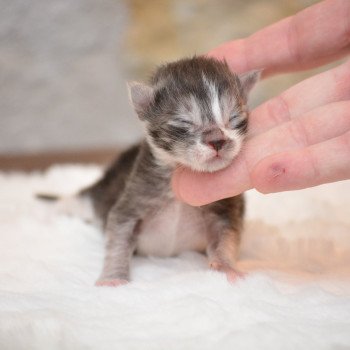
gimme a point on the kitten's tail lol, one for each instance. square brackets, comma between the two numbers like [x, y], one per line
[48, 197]
[79, 205]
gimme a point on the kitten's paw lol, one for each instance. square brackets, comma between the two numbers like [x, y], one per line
[111, 282]
[232, 274]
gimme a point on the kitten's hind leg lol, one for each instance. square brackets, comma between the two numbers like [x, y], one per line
[120, 246]
[225, 219]
[111, 282]
[223, 252]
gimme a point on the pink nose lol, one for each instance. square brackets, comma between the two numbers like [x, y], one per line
[217, 144]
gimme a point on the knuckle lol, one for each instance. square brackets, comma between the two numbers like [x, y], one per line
[278, 109]
[347, 24]
[341, 80]
[297, 133]
[292, 40]
[345, 140]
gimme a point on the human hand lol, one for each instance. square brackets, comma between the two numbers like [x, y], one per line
[300, 138]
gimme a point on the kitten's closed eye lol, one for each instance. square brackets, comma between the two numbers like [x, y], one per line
[180, 121]
[237, 121]
[233, 117]
[176, 131]
[241, 125]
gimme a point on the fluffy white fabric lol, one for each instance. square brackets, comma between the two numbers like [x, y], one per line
[296, 251]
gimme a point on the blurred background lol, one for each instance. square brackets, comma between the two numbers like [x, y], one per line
[65, 63]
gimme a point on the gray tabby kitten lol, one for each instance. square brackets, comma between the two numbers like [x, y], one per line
[195, 114]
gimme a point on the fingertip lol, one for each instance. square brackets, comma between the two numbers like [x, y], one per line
[264, 176]
[273, 174]
[183, 186]
[198, 189]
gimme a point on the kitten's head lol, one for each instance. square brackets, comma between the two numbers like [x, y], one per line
[195, 112]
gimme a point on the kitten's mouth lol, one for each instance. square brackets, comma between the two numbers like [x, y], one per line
[217, 162]
[222, 154]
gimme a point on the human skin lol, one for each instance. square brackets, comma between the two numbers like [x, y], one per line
[300, 138]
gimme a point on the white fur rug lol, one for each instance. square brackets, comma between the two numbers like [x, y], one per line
[296, 251]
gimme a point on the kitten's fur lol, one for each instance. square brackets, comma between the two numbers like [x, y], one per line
[195, 114]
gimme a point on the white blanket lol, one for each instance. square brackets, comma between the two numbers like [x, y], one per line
[296, 251]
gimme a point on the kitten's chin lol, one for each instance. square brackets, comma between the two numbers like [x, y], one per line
[217, 165]
[211, 165]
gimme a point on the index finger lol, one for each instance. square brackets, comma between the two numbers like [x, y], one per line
[313, 37]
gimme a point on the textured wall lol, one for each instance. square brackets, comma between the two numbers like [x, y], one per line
[61, 80]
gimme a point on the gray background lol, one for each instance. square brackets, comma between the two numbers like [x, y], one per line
[61, 80]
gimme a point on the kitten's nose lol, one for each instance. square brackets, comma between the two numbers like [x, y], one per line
[217, 144]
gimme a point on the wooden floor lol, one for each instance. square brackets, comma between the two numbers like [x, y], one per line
[41, 161]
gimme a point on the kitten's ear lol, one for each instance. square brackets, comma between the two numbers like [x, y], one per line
[141, 95]
[249, 79]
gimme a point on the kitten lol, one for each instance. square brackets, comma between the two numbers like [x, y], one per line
[195, 114]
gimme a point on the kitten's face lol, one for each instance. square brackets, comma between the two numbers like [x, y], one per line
[195, 114]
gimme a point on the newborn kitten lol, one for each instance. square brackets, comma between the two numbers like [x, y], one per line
[195, 114]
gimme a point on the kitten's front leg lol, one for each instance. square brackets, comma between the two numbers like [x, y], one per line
[120, 246]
